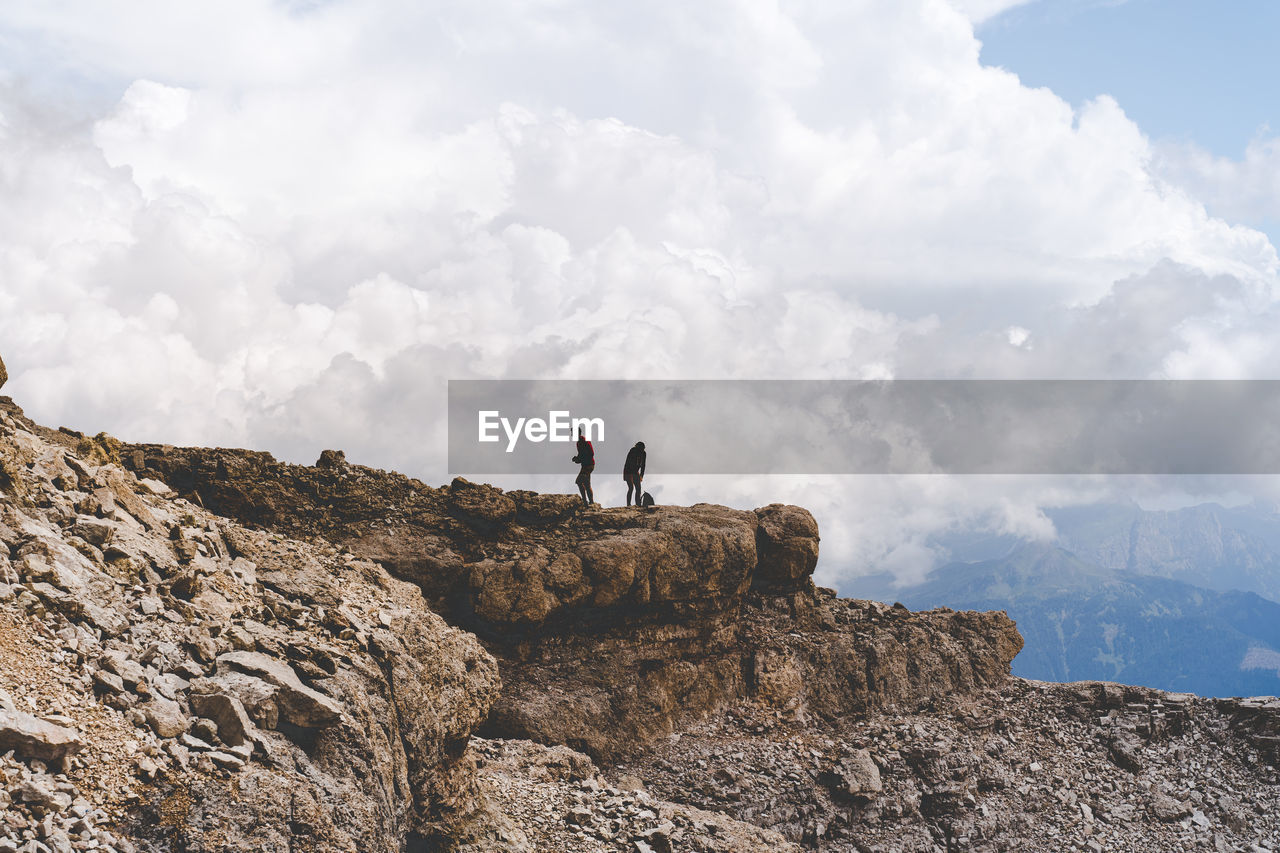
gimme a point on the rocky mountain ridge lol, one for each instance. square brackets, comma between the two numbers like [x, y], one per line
[211, 650]
[679, 610]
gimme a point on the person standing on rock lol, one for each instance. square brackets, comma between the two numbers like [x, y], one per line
[587, 459]
[633, 471]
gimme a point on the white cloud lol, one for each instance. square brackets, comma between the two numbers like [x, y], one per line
[1246, 190]
[982, 10]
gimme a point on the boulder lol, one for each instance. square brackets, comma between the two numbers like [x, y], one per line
[258, 698]
[331, 460]
[165, 717]
[786, 547]
[4, 374]
[858, 776]
[95, 531]
[32, 737]
[227, 712]
[482, 506]
[40, 795]
[299, 705]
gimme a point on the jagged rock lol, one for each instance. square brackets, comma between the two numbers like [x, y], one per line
[1126, 751]
[858, 776]
[227, 713]
[4, 374]
[1166, 809]
[299, 704]
[259, 698]
[155, 487]
[99, 627]
[130, 671]
[42, 797]
[480, 505]
[331, 459]
[31, 737]
[422, 558]
[95, 531]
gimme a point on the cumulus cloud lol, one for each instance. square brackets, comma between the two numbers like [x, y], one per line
[982, 10]
[288, 225]
[1245, 189]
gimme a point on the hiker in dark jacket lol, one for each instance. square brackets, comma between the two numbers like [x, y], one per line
[587, 459]
[633, 471]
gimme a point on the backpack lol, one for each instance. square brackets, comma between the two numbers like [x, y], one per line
[646, 500]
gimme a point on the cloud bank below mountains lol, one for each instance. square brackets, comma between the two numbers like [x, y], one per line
[288, 226]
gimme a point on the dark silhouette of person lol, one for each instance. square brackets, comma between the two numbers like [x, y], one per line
[633, 471]
[586, 458]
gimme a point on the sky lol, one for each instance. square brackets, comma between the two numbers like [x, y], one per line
[286, 225]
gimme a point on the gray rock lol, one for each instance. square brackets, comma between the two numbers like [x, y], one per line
[95, 531]
[171, 686]
[226, 759]
[41, 796]
[258, 698]
[31, 737]
[299, 704]
[165, 717]
[1166, 809]
[859, 776]
[191, 742]
[227, 712]
[122, 665]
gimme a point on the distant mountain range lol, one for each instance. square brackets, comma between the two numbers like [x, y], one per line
[1180, 600]
[1216, 547]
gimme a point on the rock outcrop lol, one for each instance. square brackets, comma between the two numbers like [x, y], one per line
[613, 627]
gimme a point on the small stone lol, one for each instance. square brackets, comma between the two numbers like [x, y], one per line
[226, 759]
[42, 797]
[195, 743]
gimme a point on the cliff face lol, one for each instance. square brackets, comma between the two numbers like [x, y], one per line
[201, 686]
[612, 627]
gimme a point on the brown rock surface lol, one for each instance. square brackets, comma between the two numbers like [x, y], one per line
[614, 627]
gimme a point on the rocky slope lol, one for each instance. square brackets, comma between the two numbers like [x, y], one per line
[210, 650]
[162, 674]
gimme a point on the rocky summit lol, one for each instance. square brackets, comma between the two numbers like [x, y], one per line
[209, 650]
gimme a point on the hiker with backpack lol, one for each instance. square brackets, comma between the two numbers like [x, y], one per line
[633, 471]
[586, 458]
